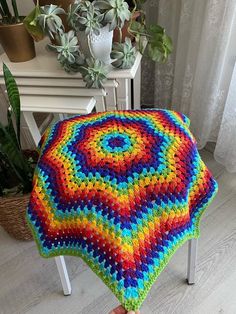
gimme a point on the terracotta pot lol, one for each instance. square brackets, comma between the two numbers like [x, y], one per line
[17, 43]
[13, 216]
[125, 32]
[61, 3]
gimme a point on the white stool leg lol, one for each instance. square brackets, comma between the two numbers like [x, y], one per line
[63, 116]
[192, 260]
[33, 128]
[65, 281]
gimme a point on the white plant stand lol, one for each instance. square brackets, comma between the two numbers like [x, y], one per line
[45, 87]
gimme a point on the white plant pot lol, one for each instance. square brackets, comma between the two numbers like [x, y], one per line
[100, 45]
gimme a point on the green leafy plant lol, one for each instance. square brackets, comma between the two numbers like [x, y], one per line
[124, 54]
[7, 16]
[116, 12]
[159, 44]
[151, 40]
[13, 160]
[154, 38]
[94, 72]
[32, 25]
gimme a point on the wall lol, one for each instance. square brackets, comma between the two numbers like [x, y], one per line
[24, 6]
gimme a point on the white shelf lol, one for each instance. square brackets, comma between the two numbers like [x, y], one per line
[59, 104]
[46, 65]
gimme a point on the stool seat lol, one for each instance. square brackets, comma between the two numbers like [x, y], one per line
[122, 190]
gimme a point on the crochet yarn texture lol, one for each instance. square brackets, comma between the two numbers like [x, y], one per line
[122, 190]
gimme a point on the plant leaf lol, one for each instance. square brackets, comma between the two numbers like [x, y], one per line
[32, 25]
[14, 155]
[13, 96]
[10, 128]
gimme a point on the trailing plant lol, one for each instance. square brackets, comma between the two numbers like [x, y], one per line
[153, 39]
[159, 43]
[7, 16]
[124, 54]
[14, 163]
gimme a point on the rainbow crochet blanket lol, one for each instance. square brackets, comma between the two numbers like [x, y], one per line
[122, 190]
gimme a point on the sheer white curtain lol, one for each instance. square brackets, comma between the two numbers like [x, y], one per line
[198, 79]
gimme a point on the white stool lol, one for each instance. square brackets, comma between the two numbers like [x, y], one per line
[57, 104]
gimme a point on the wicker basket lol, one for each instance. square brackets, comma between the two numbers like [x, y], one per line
[12, 216]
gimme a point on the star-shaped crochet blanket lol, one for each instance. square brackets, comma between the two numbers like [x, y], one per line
[122, 190]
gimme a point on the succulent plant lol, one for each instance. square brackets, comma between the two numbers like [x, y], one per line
[84, 16]
[68, 52]
[124, 53]
[116, 12]
[94, 72]
[49, 20]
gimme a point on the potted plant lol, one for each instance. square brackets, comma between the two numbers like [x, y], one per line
[14, 38]
[87, 48]
[95, 22]
[95, 36]
[16, 168]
